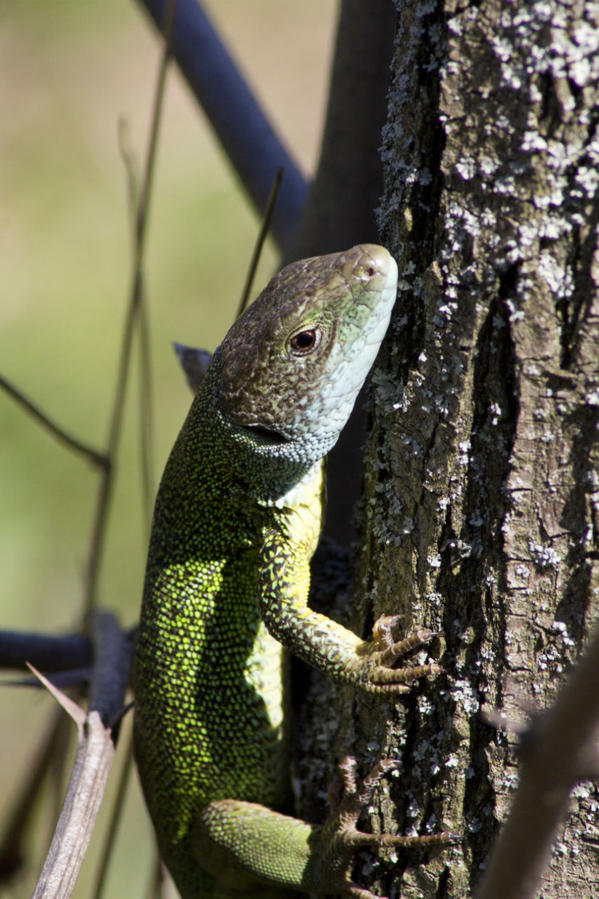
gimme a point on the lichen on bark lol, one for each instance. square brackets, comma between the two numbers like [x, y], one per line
[481, 506]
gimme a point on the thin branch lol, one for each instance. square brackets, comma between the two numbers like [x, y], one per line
[135, 299]
[266, 222]
[247, 137]
[16, 821]
[129, 161]
[166, 27]
[556, 756]
[157, 877]
[145, 373]
[60, 759]
[95, 754]
[146, 437]
[100, 460]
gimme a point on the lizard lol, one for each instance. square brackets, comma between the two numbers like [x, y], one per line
[236, 520]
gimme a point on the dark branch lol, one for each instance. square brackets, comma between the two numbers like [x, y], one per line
[348, 182]
[112, 664]
[246, 135]
[45, 652]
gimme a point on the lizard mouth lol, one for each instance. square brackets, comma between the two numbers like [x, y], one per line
[268, 435]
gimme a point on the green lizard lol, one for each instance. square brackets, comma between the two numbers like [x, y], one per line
[237, 519]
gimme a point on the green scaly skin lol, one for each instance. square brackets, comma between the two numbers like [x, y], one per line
[237, 519]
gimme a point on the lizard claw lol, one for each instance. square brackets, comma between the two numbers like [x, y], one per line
[383, 650]
[342, 832]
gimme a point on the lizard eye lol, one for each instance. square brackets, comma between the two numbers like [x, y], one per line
[304, 342]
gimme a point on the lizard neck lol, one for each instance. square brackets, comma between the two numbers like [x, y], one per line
[266, 470]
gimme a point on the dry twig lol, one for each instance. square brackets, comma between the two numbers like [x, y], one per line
[559, 751]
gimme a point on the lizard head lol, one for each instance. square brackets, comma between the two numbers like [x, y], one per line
[292, 366]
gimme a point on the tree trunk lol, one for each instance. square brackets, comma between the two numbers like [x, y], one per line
[482, 490]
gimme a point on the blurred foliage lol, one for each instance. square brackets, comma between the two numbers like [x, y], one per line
[68, 72]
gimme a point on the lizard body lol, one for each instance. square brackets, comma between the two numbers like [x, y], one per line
[237, 519]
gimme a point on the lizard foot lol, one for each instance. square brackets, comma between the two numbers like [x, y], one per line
[345, 837]
[379, 654]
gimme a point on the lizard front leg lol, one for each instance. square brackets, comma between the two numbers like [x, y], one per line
[324, 643]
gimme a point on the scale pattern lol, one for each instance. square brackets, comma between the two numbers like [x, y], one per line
[237, 519]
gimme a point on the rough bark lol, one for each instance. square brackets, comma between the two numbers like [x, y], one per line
[482, 494]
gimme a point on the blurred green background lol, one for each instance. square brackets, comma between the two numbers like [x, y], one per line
[68, 72]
